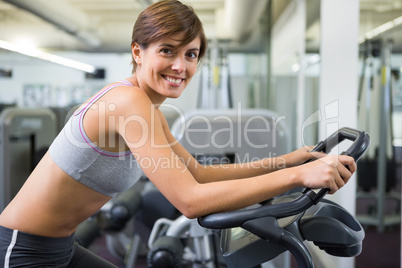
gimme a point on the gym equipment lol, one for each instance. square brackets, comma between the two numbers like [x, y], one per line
[62, 115]
[182, 242]
[25, 135]
[126, 220]
[213, 137]
[254, 235]
[4, 106]
[377, 171]
[249, 128]
[235, 135]
[215, 90]
[113, 217]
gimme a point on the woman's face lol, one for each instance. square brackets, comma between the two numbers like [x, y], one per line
[165, 69]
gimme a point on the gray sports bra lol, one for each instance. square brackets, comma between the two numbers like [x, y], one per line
[103, 171]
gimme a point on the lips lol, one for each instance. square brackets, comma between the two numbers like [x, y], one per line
[173, 80]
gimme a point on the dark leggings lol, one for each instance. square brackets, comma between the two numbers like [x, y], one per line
[19, 249]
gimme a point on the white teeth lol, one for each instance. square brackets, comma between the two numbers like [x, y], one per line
[172, 80]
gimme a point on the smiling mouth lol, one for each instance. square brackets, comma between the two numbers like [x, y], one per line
[176, 81]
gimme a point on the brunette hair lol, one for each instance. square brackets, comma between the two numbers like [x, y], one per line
[165, 18]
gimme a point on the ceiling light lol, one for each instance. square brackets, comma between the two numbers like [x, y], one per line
[295, 67]
[381, 29]
[33, 52]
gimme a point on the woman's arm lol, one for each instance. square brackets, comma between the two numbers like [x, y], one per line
[143, 132]
[221, 172]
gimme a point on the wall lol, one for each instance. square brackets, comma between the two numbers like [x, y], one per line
[61, 85]
[61, 82]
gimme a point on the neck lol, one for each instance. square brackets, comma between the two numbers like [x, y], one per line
[156, 99]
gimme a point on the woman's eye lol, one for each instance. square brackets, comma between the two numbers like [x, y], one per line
[166, 51]
[192, 55]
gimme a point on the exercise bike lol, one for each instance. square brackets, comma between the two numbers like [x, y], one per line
[257, 234]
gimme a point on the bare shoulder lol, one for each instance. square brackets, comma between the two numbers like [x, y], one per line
[128, 99]
[136, 119]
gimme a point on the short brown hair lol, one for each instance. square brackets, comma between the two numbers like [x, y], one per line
[165, 18]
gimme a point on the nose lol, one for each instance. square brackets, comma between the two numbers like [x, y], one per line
[179, 64]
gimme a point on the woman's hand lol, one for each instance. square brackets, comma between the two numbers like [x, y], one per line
[332, 172]
[301, 156]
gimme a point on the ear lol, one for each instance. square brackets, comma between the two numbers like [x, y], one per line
[136, 51]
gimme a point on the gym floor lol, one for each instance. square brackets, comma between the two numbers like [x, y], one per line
[380, 249]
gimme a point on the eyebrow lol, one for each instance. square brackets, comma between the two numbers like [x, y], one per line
[173, 46]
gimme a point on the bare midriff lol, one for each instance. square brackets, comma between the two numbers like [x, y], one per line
[51, 203]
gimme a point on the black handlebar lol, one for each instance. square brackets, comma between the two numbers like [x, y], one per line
[361, 141]
[237, 218]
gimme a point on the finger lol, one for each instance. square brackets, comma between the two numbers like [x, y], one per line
[336, 181]
[314, 154]
[349, 162]
[318, 155]
[342, 177]
[308, 148]
[333, 188]
[345, 172]
[352, 166]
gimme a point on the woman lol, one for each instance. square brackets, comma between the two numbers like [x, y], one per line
[120, 133]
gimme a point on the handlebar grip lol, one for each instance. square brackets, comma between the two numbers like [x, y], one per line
[361, 141]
